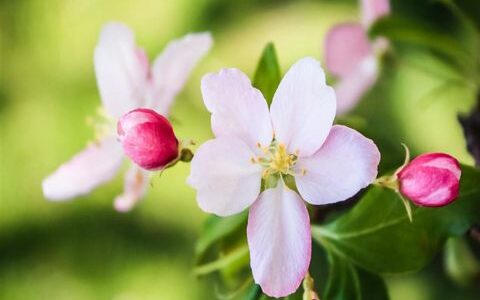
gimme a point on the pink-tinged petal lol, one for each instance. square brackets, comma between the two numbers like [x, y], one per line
[280, 242]
[95, 165]
[121, 69]
[238, 109]
[303, 108]
[346, 163]
[373, 10]
[351, 88]
[172, 68]
[431, 179]
[135, 187]
[437, 160]
[346, 45]
[226, 179]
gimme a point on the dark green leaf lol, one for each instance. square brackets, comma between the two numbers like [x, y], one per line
[268, 75]
[253, 292]
[435, 25]
[377, 235]
[345, 281]
[471, 8]
[460, 262]
[404, 30]
[217, 228]
[295, 296]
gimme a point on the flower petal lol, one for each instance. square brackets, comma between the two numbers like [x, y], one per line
[437, 160]
[97, 164]
[121, 69]
[353, 86]
[279, 239]
[303, 108]
[238, 109]
[346, 163]
[135, 187]
[226, 179]
[172, 67]
[346, 45]
[373, 10]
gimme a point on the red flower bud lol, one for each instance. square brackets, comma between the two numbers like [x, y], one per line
[147, 138]
[431, 179]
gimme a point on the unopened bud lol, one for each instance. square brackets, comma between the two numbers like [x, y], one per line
[431, 179]
[148, 139]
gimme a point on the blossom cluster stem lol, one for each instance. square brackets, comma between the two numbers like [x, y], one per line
[309, 288]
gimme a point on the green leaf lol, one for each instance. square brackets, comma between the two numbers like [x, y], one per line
[460, 262]
[405, 30]
[238, 256]
[268, 75]
[298, 295]
[439, 26]
[218, 228]
[248, 290]
[471, 8]
[253, 293]
[345, 281]
[377, 235]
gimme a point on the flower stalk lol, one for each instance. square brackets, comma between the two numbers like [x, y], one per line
[392, 182]
[309, 288]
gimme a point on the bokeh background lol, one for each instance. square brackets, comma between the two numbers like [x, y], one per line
[83, 249]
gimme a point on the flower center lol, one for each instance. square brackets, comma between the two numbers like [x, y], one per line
[276, 160]
[102, 124]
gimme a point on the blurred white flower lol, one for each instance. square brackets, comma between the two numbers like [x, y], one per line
[351, 56]
[126, 81]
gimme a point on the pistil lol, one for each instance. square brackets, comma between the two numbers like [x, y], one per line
[276, 160]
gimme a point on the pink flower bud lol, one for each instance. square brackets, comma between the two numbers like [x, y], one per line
[431, 179]
[147, 138]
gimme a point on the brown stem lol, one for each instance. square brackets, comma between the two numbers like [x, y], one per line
[471, 130]
[474, 232]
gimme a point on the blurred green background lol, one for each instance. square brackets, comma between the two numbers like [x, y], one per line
[83, 249]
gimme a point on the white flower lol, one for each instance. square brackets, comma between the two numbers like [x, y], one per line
[351, 56]
[126, 81]
[294, 139]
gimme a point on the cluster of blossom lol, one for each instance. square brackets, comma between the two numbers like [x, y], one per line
[270, 160]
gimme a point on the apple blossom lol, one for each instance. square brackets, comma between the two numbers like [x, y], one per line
[431, 179]
[148, 139]
[125, 81]
[294, 140]
[351, 56]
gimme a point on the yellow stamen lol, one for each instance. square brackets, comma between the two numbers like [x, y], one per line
[276, 160]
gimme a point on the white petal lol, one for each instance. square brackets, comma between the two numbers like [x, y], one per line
[226, 179]
[121, 69]
[238, 109]
[303, 108]
[353, 86]
[135, 187]
[97, 164]
[346, 45]
[279, 239]
[346, 163]
[173, 66]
